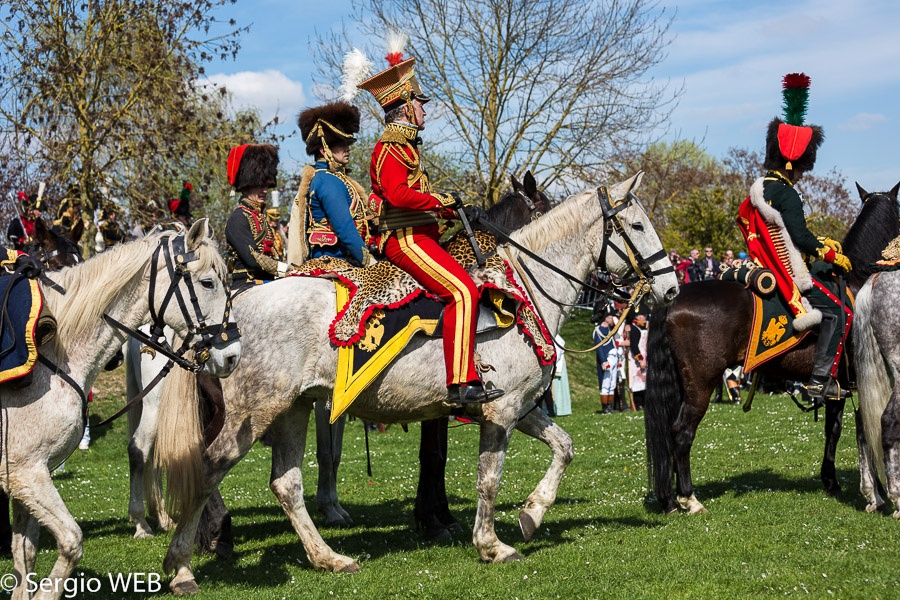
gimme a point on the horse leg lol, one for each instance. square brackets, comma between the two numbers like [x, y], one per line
[493, 444]
[538, 425]
[25, 533]
[329, 444]
[430, 493]
[288, 434]
[5, 525]
[685, 429]
[834, 424]
[868, 485]
[890, 439]
[34, 492]
[232, 444]
[442, 503]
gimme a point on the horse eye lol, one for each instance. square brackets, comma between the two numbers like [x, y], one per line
[208, 283]
[638, 226]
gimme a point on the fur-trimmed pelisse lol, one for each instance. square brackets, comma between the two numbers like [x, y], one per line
[258, 167]
[343, 116]
[776, 160]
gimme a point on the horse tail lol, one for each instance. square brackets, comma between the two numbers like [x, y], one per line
[179, 443]
[874, 381]
[661, 406]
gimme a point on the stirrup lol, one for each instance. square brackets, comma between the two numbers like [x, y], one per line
[471, 393]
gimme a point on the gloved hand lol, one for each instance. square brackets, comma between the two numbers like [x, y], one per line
[842, 261]
[368, 259]
[29, 267]
[830, 243]
[474, 213]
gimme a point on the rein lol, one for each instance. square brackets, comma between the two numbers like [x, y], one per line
[641, 275]
[176, 258]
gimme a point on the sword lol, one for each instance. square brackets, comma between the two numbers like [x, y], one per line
[479, 257]
[21, 221]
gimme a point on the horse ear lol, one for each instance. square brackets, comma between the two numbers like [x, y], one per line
[895, 190]
[515, 182]
[530, 185]
[196, 234]
[862, 193]
[77, 230]
[41, 231]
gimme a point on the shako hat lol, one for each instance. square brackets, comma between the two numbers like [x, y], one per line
[332, 124]
[253, 165]
[396, 84]
[181, 206]
[791, 145]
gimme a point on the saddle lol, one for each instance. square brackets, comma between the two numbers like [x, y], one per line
[24, 326]
[380, 308]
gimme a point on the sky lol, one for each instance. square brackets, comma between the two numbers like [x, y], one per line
[727, 57]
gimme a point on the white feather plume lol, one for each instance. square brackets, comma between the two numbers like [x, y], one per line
[356, 69]
[396, 42]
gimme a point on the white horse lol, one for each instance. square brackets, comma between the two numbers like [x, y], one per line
[286, 368]
[43, 423]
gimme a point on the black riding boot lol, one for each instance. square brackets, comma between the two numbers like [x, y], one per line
[820, 386]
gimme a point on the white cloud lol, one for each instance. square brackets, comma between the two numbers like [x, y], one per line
[863, 122]
[270, 91]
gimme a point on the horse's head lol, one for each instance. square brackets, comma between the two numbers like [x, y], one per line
[876, 225]
[538, 203]
[631, 249]
[190, 294]
[54, 250]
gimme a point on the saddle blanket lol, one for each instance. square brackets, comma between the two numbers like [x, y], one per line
[380, 308]
[771, 332]
[20, 306]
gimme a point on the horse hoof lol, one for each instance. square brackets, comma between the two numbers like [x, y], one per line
[526, 525]
[671, 511]
[223, 550]
[350, 568]
[873, 507]
[514, 557]
[143, 534]
[455, 528]
[184, 588]
[339, 523]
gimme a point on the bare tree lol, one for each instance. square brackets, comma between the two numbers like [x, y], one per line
[547, 85]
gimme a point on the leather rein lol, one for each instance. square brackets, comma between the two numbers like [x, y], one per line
[640, 274]
[177, 259]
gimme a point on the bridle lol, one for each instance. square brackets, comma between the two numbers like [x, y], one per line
[640, 274]
[177, 259]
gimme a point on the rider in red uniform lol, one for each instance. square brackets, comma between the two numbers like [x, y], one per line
[409, 224]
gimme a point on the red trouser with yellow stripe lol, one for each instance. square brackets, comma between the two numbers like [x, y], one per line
[416, 251]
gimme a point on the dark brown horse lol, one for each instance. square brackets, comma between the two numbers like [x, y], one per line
[706, 330]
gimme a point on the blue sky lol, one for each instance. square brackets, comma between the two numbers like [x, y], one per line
[728, 56]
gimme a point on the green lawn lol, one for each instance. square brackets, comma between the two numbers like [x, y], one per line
[770, 532]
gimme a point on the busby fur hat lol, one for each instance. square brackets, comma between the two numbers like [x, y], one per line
[791, 145]
[253, 165]
[335, 123]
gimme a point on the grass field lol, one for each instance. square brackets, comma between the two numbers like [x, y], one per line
[771, 531]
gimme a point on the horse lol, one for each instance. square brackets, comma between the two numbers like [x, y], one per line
[55, 251]
[283, 373]
[43, 422]
[515, 208]
[878, 418]
[706, 330]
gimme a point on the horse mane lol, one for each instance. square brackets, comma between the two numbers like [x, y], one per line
[565, 218]
[94, 284]
[877, 224]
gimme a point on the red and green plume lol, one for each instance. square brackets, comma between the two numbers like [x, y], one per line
[796, 97]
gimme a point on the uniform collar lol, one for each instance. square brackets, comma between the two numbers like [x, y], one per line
[776, 176]
[408, 132]
[254, 206]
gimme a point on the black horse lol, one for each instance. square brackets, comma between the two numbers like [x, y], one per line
[706, 330]
[432, 511]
